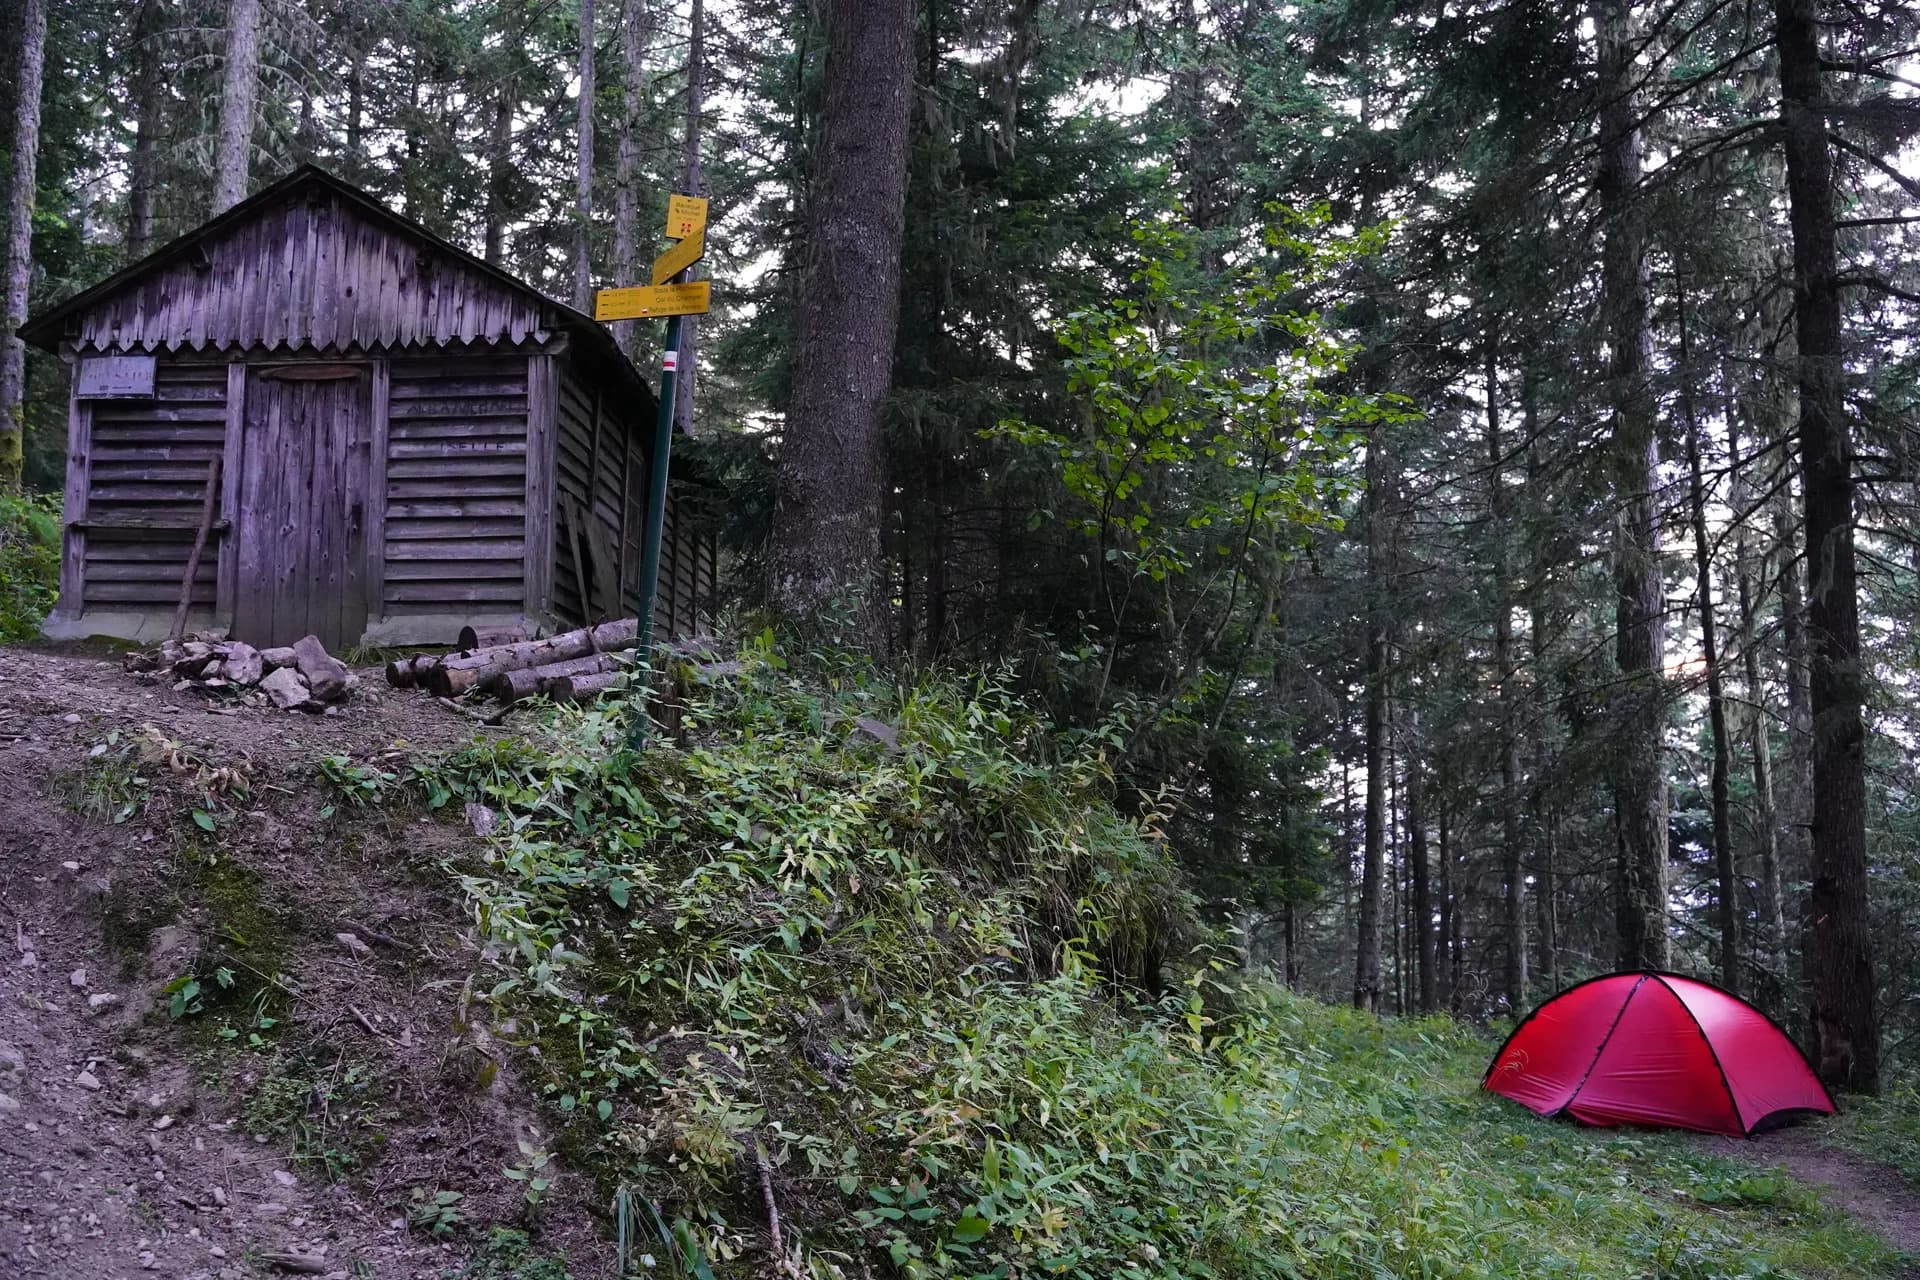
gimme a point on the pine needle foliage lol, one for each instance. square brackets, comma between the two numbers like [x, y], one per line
[885, 958]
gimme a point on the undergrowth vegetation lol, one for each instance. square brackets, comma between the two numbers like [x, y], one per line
[29, 563]
[885, 962]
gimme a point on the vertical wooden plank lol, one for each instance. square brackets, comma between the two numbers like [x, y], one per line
[542, 408]
[73, 541]
[375, 573]
[357, 497]
[626, 509]
[232, 455]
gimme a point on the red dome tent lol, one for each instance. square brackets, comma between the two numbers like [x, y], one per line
[1656, 1049]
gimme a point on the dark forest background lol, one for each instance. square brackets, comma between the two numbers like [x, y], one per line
[1466, 452]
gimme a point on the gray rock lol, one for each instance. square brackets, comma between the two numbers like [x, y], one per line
[88, 1081]
[100, 1001]
[8, 1105]
[286, 689]
[326, 675]
[243, 664]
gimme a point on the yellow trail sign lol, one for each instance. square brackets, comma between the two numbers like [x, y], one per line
[677, 259]
[643, 301]
[686, 216]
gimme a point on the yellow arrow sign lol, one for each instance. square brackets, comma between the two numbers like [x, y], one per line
[686, 216]
[643, 301]
[680, 257]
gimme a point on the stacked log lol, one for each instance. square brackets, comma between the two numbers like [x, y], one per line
[572, 665]
[302, 676]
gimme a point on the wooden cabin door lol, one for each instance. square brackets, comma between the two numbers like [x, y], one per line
[303, 489]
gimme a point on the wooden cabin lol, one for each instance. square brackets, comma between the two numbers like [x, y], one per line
[410, 440]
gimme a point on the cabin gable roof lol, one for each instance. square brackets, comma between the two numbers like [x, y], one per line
[312, 263]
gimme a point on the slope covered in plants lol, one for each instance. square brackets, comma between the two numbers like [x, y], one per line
[860, 978]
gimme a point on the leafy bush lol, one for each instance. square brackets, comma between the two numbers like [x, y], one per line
[887, 958]
[29, 563]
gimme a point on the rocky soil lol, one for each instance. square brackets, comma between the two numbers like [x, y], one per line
[289, 1123]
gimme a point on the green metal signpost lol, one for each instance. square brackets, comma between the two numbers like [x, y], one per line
[686, 221]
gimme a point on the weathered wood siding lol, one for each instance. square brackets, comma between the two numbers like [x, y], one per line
[594, 454]
[688, 597]
[455, 518]
[601, 474]
[314, 273]
[145, 464]
[301, 518]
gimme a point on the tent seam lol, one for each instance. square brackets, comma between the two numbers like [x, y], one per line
[1605, 1040]
[1537, 1009]
[1733, 1099]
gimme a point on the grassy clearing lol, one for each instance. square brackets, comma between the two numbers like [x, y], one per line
[878, 956]
[1886, 1128]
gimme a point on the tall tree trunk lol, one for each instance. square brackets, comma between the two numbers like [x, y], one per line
[499, 169]
[693, 182]
[827, 509]
[1422, 872]
[1541, 798]
[1845, 1022]
[1798, 791]
[1726, 873]
[1456, 922]
[636, 35]
[1512, 847]
[147, 105]
[1443, 959]
[1640, 785]
[1770, 946]
[20, 203]
[1395, 867]
[583, 169]
[1366, 966]
[239, 90]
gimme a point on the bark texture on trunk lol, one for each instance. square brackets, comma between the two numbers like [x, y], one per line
[1845, 1023]
[583, 170]
[1513, 868]
[1366, 965]
[636, 36]
[694, 182]
[20, 202]
[1725, 871]
[825, 554]
[1639, 782]
[1420, 871]
[239, 90]
[147, 102]
[499, 168]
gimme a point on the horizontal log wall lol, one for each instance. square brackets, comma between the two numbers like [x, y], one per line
[147, 464]
[456, 467]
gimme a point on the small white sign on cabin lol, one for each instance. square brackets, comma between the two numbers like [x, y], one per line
[114, 378]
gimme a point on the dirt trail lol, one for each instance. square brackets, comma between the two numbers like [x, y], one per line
[124, 1144]
[1871, 1192]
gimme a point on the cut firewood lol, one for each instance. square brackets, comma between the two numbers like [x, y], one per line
[472, 639]
[326, 675]
[456, 675]
[580, 688]
[511, 686]
[405, 673]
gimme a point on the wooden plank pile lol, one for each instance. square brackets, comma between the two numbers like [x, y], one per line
[572, 666]
[297, 677]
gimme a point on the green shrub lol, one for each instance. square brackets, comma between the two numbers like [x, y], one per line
[29, 563]
[888, 954]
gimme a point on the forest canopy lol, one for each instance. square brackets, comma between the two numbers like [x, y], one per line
[1461, 459]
